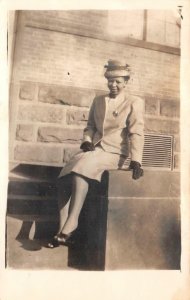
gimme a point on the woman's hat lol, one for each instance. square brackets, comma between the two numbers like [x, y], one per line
[116, 68]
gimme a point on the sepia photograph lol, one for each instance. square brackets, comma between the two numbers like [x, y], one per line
[94, 140]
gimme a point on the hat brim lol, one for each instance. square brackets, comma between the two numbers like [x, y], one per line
[117, 73]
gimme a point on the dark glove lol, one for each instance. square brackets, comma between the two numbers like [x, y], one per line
[137, 170]
[87, 146]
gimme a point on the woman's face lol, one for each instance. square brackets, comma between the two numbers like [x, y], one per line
[116, 85]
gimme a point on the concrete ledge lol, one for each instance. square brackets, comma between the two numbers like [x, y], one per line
[152, 184]
[143, 234]
[143, 221]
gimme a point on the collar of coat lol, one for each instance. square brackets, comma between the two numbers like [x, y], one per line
[124, 96]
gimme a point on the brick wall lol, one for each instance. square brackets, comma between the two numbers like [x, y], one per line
[58, 69]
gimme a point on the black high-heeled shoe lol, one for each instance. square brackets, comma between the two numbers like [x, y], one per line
[54, 243]
[66, 239]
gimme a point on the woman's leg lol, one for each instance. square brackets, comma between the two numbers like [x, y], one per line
[79, 192]
[64, 194]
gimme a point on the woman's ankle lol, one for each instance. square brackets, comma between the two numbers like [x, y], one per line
[69, 226]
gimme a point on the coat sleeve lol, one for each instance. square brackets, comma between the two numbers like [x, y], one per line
[136, 129]
[90, 129]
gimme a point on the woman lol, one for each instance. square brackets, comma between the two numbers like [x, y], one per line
[114, 121]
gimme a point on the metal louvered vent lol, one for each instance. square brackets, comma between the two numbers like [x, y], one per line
[158, 150]
[157, 153]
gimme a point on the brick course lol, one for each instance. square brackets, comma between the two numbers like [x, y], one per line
[161, 126]
[25, 132]
[69, 152]
[37, 153]
[151, 105]
[59, 135]
[66, 95]
[170, 109]
[77, 117]
[36, 113]
[177, 161]
[27, 90]
[176, 143]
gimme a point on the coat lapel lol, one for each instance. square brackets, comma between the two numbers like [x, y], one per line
[102, 111]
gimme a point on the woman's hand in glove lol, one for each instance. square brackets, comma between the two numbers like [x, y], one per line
[87, 146]
[137, 170]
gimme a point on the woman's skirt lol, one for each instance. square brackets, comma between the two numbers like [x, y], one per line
[92, 164]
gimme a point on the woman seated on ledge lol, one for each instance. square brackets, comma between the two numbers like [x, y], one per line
[113, 120]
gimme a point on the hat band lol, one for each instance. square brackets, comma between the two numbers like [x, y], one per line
[111, 68]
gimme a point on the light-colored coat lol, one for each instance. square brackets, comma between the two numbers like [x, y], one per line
[116, 129]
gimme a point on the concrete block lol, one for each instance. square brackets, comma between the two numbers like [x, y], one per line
[59, 135]
[69, 152]
[27, 91]
[161, 126]
[143, 234]
[38, 113]
[66, 95]
[25, 132]
[152, 184]
[170, 109]
[151, 106]
[177, 144]
[128, 224]
[177, 161]
[143, 221]
[37, 153]
[77, 117]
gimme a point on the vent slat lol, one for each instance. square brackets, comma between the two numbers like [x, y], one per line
[158, 163]
[157, 140]
[158, 152]
[155, 152]
[149, 144]
[156, 136]
[157, 143]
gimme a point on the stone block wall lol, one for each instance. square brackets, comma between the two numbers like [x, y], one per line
[50, 122]
[58, 70]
